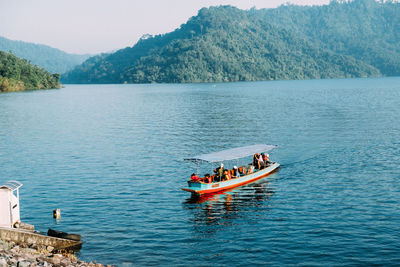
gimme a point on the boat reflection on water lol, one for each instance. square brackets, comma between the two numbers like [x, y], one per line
[222, 207]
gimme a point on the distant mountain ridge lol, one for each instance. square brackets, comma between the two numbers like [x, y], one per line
[49, 58]
[224, 44]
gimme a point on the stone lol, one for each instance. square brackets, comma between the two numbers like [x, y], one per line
[3, 262]
[50, 248]
[27, 226]
[29, 257]
[24, 264]
[13, 261]
[65, 262]
[29, 250]
[43, 262]
[56, 260]
[15, 249]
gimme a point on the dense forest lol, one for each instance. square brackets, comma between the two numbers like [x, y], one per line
[363, 29]
[51, 59]
[343, 39]
[18, 74]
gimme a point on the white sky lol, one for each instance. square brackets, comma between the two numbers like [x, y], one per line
[94, 26]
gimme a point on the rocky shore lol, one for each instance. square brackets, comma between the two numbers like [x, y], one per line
[13, 255]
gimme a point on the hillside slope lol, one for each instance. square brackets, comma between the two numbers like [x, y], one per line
[18, 74]
[228, 44]
[364, 29]
[51, 59]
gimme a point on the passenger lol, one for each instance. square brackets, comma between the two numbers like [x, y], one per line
[260, 162]
[266, 159]
[250, 169]
[212, 177]
[219, 172]
[216, 176]
[245, 170]
[255, 160]
[227, 175]
[235, 172]
[207, 178]
[195, 178]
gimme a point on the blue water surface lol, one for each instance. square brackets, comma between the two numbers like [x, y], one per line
[111, 158]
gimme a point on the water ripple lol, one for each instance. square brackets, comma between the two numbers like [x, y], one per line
[111, 157]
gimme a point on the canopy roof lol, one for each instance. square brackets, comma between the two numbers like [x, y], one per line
[12, 185]
[234, 153]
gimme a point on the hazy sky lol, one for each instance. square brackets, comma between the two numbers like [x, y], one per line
[94, 26]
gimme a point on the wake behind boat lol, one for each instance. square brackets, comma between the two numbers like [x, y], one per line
[225, 179]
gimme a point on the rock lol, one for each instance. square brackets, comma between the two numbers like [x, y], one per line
[27, 226]
[3, 262]
[15, 249]
[29, 257]
[65, 262]
[29, 250]
[13, 255]
[43, 262]
[56, 260]
[24, 264]
[3, 244]
[13, 261]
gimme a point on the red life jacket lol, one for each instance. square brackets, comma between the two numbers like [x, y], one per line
[195, 178]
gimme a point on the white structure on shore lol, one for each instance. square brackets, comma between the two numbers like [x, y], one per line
[9, 204]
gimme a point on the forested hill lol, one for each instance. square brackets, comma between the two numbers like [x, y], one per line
[363, 29]
[347, 39]
[51, 59]
[18, 74]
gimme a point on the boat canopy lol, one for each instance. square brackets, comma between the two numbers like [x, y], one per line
[234, 153]
[12, 185]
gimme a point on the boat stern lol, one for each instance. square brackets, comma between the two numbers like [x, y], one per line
[195, 187]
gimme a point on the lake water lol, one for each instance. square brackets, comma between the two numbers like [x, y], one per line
[111, 158]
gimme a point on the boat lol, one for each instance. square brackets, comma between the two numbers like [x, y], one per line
[250, 173]
[59, 234]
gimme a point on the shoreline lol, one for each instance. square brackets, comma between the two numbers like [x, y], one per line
[12, 254]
